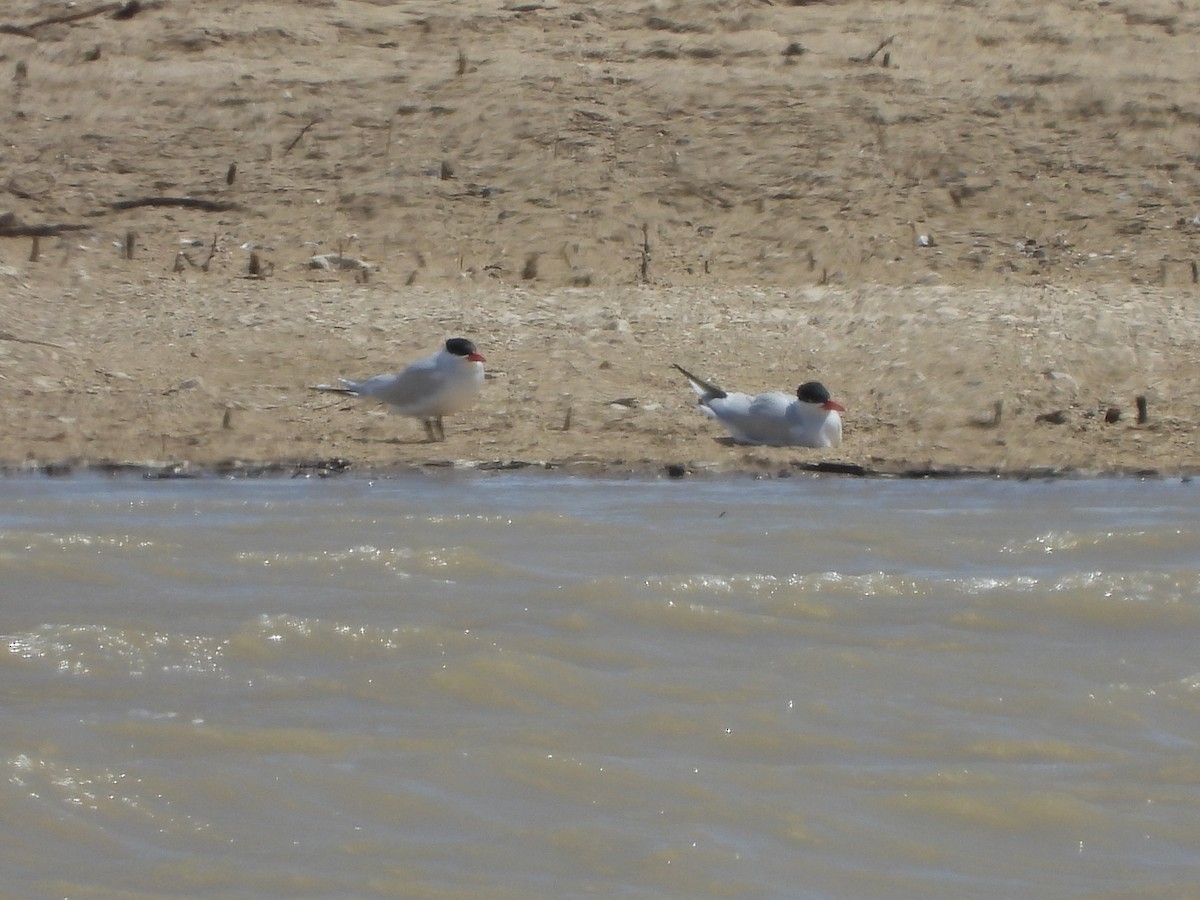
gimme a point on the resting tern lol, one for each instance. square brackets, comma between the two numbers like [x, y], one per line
[810, 419]
[432, 387]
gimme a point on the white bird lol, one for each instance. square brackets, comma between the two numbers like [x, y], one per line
[432, 387]
[776, 419]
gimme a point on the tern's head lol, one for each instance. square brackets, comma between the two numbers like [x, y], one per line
[815, 393]
[463, 347]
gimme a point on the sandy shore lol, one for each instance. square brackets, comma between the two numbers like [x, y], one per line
[942, 230]
[171, 371]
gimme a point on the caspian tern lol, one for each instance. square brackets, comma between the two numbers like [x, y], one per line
[810, 419]
[432, 387]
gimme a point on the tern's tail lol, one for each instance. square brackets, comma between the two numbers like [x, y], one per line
[706, 390]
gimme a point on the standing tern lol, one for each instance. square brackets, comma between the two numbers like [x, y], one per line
[810, 419]
[432, 387]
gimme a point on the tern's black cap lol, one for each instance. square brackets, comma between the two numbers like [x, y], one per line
[812, 392]
[460, 347]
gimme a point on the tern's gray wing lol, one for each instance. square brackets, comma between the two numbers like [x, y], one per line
[415, 391]
[759, 419]
[408, 392]
[780, 420]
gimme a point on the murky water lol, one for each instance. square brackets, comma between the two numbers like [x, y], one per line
[539, 686]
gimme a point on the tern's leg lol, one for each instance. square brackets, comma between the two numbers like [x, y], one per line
[441, 431]
[429, 433]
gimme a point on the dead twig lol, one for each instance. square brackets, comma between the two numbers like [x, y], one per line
[184, 202]
[886, 42]
[645, 253]
[9, 336]
[16, 229]
[119, 11]
[212, 251]
[303, 131]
